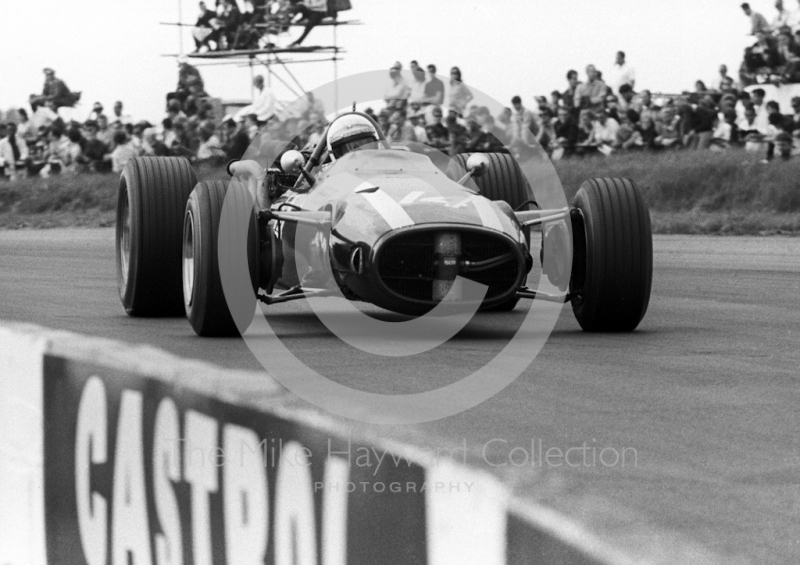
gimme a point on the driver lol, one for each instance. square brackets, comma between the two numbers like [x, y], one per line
[350, 132]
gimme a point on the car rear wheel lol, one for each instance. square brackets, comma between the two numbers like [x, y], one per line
[206, 255]
[612, 266]
[151, 199]
[502, 180]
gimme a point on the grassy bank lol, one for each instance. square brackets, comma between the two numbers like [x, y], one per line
[688, 192]
[703, 192]
[85, 200]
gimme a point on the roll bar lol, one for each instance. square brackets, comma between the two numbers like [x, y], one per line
[313, 161]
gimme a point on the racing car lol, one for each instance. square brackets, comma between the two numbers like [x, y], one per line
[359, 218]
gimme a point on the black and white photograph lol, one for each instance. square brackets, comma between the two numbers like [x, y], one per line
[370, 282]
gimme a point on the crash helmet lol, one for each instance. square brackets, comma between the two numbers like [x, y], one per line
[350, 132]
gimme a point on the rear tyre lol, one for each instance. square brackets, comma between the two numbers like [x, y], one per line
[503, 180]
[612, 266]
[204, 297]
[151, 199]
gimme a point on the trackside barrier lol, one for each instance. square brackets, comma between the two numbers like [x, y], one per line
[126, 455]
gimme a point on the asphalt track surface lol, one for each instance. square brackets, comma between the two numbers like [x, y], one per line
[707, 391]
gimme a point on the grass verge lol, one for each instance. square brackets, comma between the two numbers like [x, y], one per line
[729, 193]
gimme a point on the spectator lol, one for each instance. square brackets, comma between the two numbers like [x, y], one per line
[782, 18]
[41, 115]
[119, 116]
[417, 93]
[504, 123]
[585, 144]
[762, 114]
[621, 73]
[123, 152]
[748, 124]
[75, 139]
[25, 127]
[565, 130]
[666, 128]
[153, 146]
[605, 132]
[434, 88]
[476, 138]
[57, 154]
[210, 148]
[591, 94]
[399, 130]
[56, 90]
[104, 133]
[612, 106]
[229, 14]
[436, 132]
[784, 146]
[203, 30]
[726, 133]
[188, 75]
[522, 122]
[457, 136]
[263, 106]
[236, 140]
[700, 87]
[648, 132]
[794, 19]
[758, 23]
[97, 111]
[568, 96]
[137, 137]
[716, 83]
[628, 135]
[95, 155]
[458, 95]
[396, 95]
[496, 137]
[626, 97]
[644, 104]
[793, 123]
[418, 123]
[546, 131]
[555, 100]
[788, 58]
[13, 151]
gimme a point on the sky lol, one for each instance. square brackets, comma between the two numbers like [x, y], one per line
[112, 49]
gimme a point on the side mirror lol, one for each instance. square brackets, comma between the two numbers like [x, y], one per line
[477, 164]
[292, 162]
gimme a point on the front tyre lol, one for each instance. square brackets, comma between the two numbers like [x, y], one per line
[612, 268]
[204, 253]
[151, 200]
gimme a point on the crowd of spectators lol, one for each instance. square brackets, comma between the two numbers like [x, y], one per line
[590, 117]
[598, 115]
[48, 140]
[775, 56]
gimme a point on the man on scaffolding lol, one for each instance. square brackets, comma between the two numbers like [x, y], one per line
[263, 106]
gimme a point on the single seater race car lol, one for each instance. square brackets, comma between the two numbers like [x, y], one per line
[377, 224]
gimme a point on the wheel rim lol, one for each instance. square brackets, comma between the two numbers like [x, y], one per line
[125, 244]
[188, 259]
[580, 247]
